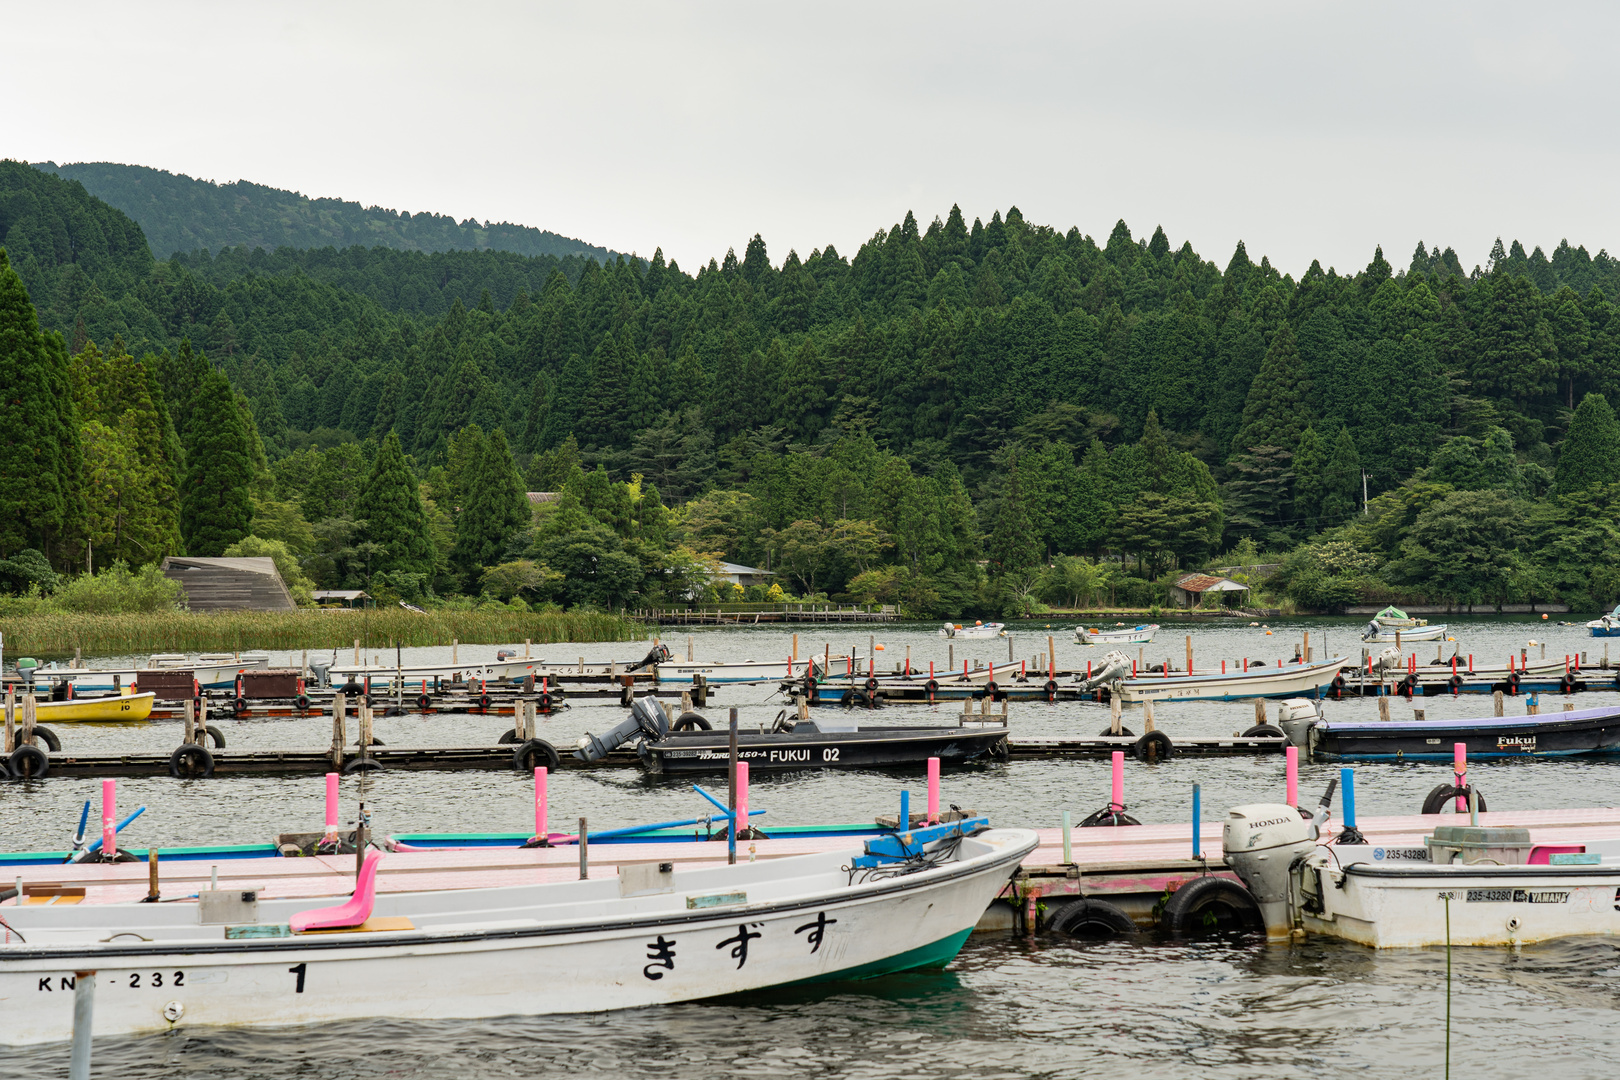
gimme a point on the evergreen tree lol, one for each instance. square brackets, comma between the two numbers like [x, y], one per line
[1310, 465]
[492, 508]
[40, 493]
[1591, 451]
[1341, 481]
[1275, 412]
[392, 522]
[216, 505]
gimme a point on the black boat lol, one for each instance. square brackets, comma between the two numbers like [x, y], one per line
[689, 746]
[1556, 734]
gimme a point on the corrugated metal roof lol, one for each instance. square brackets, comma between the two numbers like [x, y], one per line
[1202, 583]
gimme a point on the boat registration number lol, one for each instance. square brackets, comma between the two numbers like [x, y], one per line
[1518, 896]
[1516, 742]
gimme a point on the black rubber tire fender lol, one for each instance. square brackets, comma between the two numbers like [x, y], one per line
[1567, 683]
[1153, 746]
[29, 763]
[240, 706]
[361, 764]
[1437, 799]
[1513, 681]
[1050, 686]
[691, 721]
[508, 738]
[1091, 919]
[1001, 750]
[1406, 687]
[483, 702]
[847, 699]
[1107, 817]
[1108, 732]
[1265, 731]
[933, 686]
[992, 688]
[1211, 903]
[191, 762]
[535, 753]
[216, 735]
[1338, 681]
[870, 684]
[49, 737]
[543, 703]
[302, 701]
[1455, 682]
[423, 701]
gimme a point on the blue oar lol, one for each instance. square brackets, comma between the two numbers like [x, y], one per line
[634, 830]
[95, 847]
[78, 837]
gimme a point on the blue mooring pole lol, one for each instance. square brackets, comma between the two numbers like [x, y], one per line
[1198, 814]
[1347, 780]
[905, 810]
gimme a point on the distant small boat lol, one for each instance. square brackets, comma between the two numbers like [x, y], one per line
[1607, 625]
[117, 708]
[1393, 616]
[215, 671]
[1374, 633]
[1286, 680]
[977, 630]
[1130, 635]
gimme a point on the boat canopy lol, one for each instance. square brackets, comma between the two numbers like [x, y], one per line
[1391, 612]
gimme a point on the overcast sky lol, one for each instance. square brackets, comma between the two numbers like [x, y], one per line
[1306, 130]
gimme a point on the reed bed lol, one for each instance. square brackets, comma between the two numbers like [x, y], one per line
[60, 633]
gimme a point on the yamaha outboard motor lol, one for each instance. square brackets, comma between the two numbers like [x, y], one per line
[1115, 666]
[658, 655]
[646, 718]
[318, 668]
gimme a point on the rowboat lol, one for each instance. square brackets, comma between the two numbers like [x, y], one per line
[1463, 885]
[1131, 635]
[1606, 625]
[215, 671]
[1376, 633]
[114, 708]
[1581, 732]
[1393, 617]
[977, 630]
[654, 935]
[1285, 680]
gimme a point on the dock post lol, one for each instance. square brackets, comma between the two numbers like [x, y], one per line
[1198, 813]
[584, 852]
[1116, 800]
[739, 824]
[331, 834]
[340, 708]
[1113, 710]
[796, 648]
[933, 790]
[540, 777]
[109, 819]
[1051, 658]
[1189, 654]
[1383, 709]
[688, 648]
[357, 650]
[1068, 852]
[1459, 772]
[1147, 716]
[731, 769]
[1496, 700]
[1291, 775]
[152, 894]
[527, 645]
[29, 719]
[1305, 648]
[84, 1011]
[1009, 648]
[189, 708]
[11, 719]
[950, 654]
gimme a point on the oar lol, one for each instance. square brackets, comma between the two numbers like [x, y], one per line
[78, 837]
[95, 847]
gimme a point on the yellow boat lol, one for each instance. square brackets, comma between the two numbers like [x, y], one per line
[95, 710]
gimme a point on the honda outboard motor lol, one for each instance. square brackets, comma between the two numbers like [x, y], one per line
[646, 718]
[658, 655]
[1296, 717]
[1261, 842]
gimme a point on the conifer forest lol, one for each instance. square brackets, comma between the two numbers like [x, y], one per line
[972, 414]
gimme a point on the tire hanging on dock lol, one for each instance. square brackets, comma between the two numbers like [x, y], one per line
[191, 762]
[1091, 919]
[1153, 746]
[1265, 731]
[1210, 905]
[534, 754]
[691, 721]
[29, 762]
[1441, 797]
[48, 736]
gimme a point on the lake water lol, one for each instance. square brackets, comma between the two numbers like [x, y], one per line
[1008, 1006]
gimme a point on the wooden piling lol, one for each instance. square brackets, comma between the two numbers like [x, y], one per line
[1305, 649]
[1496, 701]
[356, 650]
[1417, 714]
[1260, 710]
[189, 707]
[1113, 712]
[1051, 658]
[1147, 716]
[340, 707]
[11, 719]
[796, 648]
[1383, 708]
[152, 893]
[29, 719]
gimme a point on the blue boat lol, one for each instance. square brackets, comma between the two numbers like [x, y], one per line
[1606, 625]
[1581, 732]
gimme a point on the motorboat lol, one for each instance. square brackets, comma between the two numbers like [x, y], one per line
[1376, 633]
[652, 935]
[1282, 681]
[1606, 625]
[977, 630]
[1472, 884]
[1140, 634]
[1393, 617]
[689, 745]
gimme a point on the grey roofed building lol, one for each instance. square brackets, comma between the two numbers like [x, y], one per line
[738, 574]
[240, 584]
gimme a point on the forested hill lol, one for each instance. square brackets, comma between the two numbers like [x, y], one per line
[182, 214]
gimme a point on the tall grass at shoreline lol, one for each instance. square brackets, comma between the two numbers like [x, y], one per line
[60, 633]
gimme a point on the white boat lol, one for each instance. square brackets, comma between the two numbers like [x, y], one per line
[1374, 633]
[656, 665]
[653, 935]
[215, 671]
[977, 630]
[1393, 616]
[1466, 885]
[1286, 680]
[380, 674]
[1606, 625]
[1130, 635]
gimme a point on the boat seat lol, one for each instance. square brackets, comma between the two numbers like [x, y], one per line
[343, 916]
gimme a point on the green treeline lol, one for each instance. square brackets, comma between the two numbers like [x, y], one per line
[962, 418]
[178, 213]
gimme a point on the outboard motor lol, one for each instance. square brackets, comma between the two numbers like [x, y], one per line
[1296, 717]
[1371, 633]
[1261, 842]
[318, 669]
[658, 655]
[506, 654]
[646, 719]
[1388, 660]
[1115, 666]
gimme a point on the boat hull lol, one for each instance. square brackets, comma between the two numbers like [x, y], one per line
[703, 938]
[213, 676]
[876, 748]
[1560, 734]
[1407, 905]
[1138, 635]
[1415, 633]
[1292, 680]
[124, 708]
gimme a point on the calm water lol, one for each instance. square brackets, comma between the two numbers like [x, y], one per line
[1007, 1007]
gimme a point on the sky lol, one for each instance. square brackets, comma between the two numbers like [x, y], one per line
[1306, 130]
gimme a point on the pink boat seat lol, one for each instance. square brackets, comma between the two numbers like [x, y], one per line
[1541, 854]
[353, 913]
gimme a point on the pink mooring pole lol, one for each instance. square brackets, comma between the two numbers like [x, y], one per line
[742, 798]
[540, 803]
[109, 818]
[1292, 754]
[1117, 803]
[331, 808]
[1459, 766]
[933, 790]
